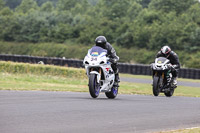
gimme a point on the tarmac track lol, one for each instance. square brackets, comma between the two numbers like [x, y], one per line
[69, 112]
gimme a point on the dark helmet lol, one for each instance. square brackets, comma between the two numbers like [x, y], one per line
[101, 41]
[166, 50]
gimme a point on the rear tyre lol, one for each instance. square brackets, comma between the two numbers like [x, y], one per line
[156, 89]
[94, 87]
[113, 93]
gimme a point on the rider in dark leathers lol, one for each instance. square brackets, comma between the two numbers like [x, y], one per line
[174, 60]
[101, 41]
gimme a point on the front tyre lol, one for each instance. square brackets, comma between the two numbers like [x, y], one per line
[94, 87]
[156, 89]
[113, 93]
[169, 93]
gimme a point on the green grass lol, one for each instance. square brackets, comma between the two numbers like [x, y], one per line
[12, 81]
[194, 130]
[138, 88]
[39, 69]
[21, 76]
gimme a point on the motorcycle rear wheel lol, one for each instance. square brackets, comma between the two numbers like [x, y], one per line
[156, 89]
[94, 87]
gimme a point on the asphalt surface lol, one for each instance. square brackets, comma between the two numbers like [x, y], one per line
[68, 112]
[149, 81]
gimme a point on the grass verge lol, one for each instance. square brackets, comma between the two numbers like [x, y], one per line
[38, 69]
[21, 76]
[193, 130]
[13, 81]
[10, 81]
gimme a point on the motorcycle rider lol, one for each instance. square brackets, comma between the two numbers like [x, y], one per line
[101, 41]
[174, 60]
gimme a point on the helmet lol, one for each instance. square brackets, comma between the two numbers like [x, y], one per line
[101, 41]
[166, 50]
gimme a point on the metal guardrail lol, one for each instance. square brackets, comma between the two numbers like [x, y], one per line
[137, 69]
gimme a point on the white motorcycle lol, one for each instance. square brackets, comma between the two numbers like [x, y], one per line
[100, 73]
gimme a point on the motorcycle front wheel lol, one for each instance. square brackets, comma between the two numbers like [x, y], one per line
[156, 89]
[94, 87]
[169, 93]
[113, 93]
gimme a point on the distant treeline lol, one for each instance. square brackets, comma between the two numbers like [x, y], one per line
[138, 24]
[124, 22]
[14, 3]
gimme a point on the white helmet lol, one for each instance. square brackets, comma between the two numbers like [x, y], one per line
[166, 50]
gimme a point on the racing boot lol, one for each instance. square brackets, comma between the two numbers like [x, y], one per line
[174, 82]
[169, 78]
[116, 83]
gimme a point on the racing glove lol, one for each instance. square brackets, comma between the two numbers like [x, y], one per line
[112, 60]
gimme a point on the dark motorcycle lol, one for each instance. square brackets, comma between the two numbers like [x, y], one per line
[162, 77]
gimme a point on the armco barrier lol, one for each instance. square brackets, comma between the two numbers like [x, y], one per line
[137, 69]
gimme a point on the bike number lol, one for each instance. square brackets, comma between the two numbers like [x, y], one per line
[94, 59]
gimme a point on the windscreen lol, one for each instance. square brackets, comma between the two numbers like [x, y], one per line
[161, 60]
[96, 51]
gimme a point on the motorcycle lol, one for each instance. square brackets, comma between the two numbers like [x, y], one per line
[162, 77]
[100, 73]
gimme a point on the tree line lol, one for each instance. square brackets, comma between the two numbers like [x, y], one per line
[126, 23]
[146, 24]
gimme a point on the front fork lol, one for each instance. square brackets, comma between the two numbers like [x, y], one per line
[162, 82]
[97, 73]
[161, 79]
[169, 77]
